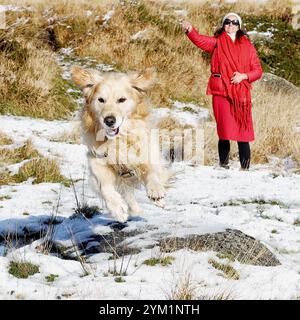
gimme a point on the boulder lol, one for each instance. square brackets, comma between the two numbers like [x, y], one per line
[276, 83]
[231, 242]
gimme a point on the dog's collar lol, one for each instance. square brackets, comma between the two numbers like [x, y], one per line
[126, 174]
[92, 153]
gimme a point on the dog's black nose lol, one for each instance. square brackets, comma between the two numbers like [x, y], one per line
[110, 121]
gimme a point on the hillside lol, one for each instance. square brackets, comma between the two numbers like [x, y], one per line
[223, 234]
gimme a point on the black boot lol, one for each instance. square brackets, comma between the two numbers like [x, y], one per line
[224, 149]
[244, 154]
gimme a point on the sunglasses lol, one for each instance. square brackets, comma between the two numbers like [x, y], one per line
[234, 22]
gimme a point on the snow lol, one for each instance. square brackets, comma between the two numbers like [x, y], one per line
[196, 204]
[108, 16]
[184, 113]
[267, 34]
[66, 58]
[181, 12]
[140, 35]
[4, 8]
[66, 51]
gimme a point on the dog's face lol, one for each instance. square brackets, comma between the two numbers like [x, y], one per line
[112, 97]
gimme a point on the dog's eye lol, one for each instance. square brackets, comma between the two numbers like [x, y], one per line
[101, 100]
[121, 100]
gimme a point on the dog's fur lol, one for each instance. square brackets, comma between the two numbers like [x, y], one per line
[113, 150]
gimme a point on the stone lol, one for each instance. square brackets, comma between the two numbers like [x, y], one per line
[276, 83]
[235, 243]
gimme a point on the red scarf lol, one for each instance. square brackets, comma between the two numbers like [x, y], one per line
[234, 56]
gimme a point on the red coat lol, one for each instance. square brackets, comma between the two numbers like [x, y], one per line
[208, 44]
[226, 125]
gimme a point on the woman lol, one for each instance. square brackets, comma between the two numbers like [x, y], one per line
[234, 66]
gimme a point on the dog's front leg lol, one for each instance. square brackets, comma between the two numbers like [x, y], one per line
[134, 208]
[106, 179]
[154, 182]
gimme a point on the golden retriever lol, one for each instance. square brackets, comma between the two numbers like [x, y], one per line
[117, 131]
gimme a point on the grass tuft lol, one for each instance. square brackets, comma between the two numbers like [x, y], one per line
[223, 255]
[183, 289]
[51, 277]
[228, 271]
[297, 222]
[162, 261]
[22, 270]
[43, 170]
[119, 279]
[17, 155]
[32, 84]
[5, 198]
[5, 139]
[86, 211]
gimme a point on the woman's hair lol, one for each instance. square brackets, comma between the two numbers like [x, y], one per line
[239, 33]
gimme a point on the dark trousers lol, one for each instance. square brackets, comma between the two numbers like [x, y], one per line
[244, 153]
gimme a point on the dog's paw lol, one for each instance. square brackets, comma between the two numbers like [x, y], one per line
[160, 202]
[121, 217]
[135, 211]
[119, 211]
[155, 192]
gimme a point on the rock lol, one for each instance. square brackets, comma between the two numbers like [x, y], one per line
[276, 83]
[231, 242]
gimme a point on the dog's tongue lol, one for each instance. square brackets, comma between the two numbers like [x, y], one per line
[113, 131]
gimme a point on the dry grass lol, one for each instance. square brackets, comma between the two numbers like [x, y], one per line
[5, 139]
[183, 289]
[9, 156]
[227, 270]
[43, 169]
[272, 8]
[31, 80]
[276, 116]
[5, 178]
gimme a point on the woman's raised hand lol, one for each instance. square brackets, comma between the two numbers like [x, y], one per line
[187, 26]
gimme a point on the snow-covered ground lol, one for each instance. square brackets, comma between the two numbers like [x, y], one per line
[203, 199]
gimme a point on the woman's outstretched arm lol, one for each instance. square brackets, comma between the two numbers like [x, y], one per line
[205, 43]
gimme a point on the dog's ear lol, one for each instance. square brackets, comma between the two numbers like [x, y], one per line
[144, 81]
[85, 79]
